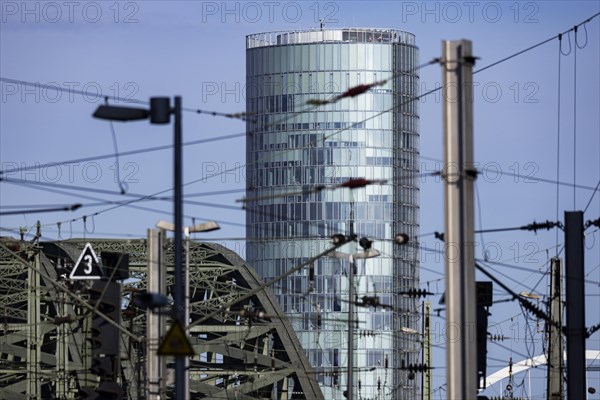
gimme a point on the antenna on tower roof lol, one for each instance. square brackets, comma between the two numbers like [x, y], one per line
[322, 21]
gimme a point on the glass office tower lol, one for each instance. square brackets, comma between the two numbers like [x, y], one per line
[292, 148]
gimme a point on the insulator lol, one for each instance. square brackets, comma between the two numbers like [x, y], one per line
[365, 243]
[416, 293]
[354, 91]
[416, 367]
[401, 238]
[370, 301]
[339, 239]
[252, 314]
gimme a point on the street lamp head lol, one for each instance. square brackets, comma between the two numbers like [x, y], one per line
[160, 110]
[114, 113]
[159, 113]
[167, 226]
[150, 300]
[412, 331]
[339, 239]
[205, 227]
[529, 295]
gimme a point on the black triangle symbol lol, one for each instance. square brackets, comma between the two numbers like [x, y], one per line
[175, 342]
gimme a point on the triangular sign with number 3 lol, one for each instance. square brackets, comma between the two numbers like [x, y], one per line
[87, 266]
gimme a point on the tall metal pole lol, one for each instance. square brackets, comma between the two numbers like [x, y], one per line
[62, 349]
[352, 263]
[576, 332]
[186, 309]
[34, 341]
[459, 173]
[178, 295]
[351, 329]
[155, 328]
[555, 347]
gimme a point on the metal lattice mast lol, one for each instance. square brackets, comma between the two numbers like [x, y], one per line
[34, 340]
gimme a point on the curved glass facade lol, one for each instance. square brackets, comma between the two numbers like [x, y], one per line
[293, 147]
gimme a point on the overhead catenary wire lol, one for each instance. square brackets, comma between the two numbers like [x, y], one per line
[71, 207]
[526, 178]
[105, 234]
[422, 95]
[251, 293]
[122, 185]
[58, 88]
[494, 262]
[115, 203]
[518, 53]
[257, 161]
[105, 202]
[560, 53]
[55, 86]
[410, 100]
[136, 197]
[92, 158]
[143, 197]
[119, 154]
[591, 197]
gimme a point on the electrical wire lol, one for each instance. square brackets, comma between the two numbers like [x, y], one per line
[137, 197]
[123, 186]
[536, 45]
[71, 207]
[241, 116]
[558, 133]
[69, 90]
[591, 197]
[120, 154]
[378, 114]
[117, 203]
[526, 178]
[410, 100]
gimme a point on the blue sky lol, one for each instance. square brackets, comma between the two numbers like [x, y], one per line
[197, 50]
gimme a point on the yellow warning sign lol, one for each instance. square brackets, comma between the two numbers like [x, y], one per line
[175, 342]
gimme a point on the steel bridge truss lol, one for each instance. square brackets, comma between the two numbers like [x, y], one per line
[44, 326]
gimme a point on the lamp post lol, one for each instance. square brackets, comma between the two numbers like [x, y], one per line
[203, 227]
[160, 113]
[368, 253]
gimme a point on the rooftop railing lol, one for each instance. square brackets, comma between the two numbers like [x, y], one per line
[345, 35]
